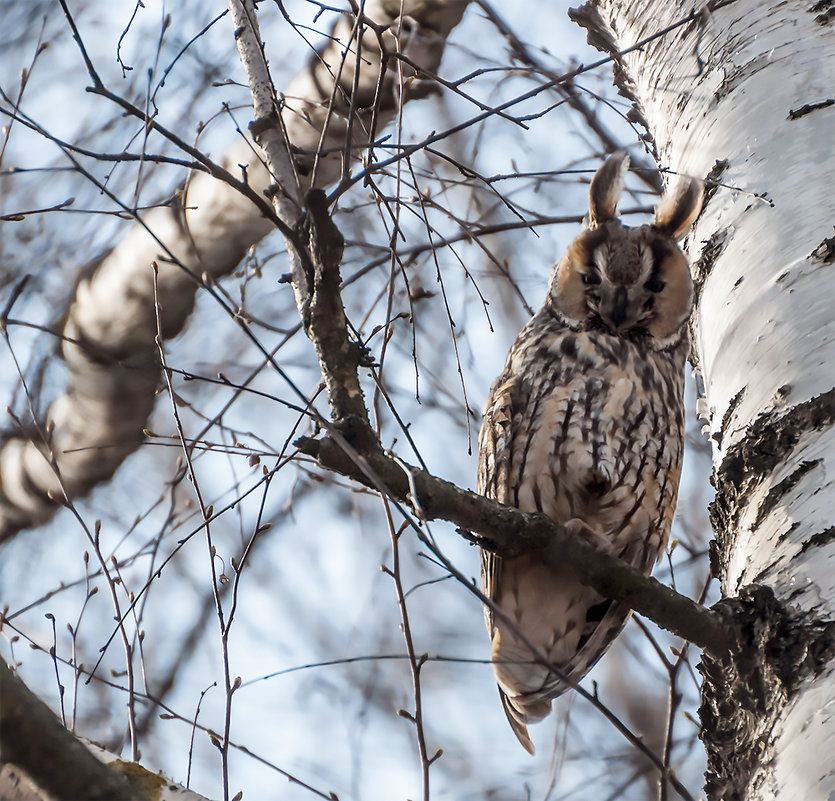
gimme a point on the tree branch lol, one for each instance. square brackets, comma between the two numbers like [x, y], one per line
[508, 532]
[352, 448]
[646, 171]
[32, 738]
[316, 245]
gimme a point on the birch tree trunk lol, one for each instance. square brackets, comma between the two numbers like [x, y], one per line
[743, 96]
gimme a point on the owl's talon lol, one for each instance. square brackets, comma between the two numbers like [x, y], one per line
[578, 528]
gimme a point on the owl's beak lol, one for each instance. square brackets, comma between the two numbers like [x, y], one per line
[616, 312]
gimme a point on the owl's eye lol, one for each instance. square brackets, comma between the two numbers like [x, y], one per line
[655, 284]
[590, 278]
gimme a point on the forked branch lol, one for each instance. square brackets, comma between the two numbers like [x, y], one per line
[352, 449]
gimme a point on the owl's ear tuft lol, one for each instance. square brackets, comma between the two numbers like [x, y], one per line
[679, 207]
[606, 187]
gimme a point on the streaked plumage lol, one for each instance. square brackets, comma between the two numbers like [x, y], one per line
[586, 424]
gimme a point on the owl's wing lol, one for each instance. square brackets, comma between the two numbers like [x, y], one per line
[604, 622]
[502, 419]
[495, 451]
[495, 439]
[519, 721]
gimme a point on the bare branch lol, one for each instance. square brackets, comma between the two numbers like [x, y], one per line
[352, 447]
[509, 532]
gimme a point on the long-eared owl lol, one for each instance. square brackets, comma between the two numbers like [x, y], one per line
[586, 424]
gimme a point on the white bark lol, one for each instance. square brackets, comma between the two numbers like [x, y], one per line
[110, 329]
[764, 324]
[17, 785]
[41, 761]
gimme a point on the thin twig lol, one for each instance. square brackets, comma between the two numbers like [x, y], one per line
[171, 713]
[415, 662]
[206, 513]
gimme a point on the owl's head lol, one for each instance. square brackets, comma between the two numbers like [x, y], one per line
[623, 280]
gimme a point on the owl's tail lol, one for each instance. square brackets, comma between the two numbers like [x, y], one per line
[519, 714]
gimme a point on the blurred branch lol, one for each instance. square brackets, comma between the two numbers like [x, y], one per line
[108, 340]
[521, 52]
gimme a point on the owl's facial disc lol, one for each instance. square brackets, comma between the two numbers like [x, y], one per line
[624, 281]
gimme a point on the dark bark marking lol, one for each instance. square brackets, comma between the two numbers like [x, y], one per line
[819, 540]
[714, 178]
[826, 9]
[797, 113]
[738, 75]
[772, 436]
[743, 694]
[786, 485]
[711, 250]
[768, 441]
[825, 251]
[726, 418]
[782, 538]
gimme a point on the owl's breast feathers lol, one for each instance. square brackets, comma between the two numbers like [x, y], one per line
[590, 426]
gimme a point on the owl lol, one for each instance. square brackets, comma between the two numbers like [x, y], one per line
[586, 424]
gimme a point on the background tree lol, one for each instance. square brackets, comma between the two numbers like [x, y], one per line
[446, 213]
